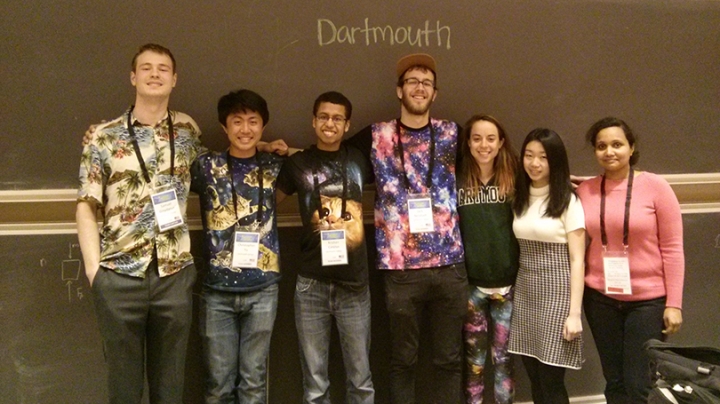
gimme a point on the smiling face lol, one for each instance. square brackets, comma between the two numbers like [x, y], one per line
[416, 97]
[485, 143]
[244, 130]
[613, 151]
[330, 125]
[536, 164]
[154, 75]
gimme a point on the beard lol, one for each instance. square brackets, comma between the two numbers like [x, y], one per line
[414, 108]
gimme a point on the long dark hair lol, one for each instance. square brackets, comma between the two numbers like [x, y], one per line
[505, 163]
[560, 187]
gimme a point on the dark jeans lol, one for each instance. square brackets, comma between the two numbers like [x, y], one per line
[145, 324]
[620, 329]
[441, 294]
[547, 382]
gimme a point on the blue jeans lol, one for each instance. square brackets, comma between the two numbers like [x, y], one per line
[236, 328]
[316, 303]
[620, 329]
[442, 294]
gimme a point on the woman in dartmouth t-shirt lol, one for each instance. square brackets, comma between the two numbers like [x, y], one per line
[486, 184]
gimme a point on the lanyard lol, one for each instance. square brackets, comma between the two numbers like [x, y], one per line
[316, 184]
[431, 166]
[136, 146]
[261, 189]
[626, 223]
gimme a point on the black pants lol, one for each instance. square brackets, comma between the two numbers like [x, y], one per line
[620, 329]
[547, 382]
[441, 294]
[144, 315]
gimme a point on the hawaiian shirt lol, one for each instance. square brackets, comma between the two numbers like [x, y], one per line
[112, 177]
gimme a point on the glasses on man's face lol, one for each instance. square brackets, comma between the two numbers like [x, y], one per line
[413, 82]
[336, 120]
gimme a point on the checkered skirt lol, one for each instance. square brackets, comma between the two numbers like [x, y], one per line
[542, 303]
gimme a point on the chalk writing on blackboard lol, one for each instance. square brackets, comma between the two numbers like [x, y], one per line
[70, 273]
[71, 247]
[437, 35]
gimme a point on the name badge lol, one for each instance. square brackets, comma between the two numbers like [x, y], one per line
[333, 247]
[246, 249]
[420, 214]
[616, 266]
[167, 209]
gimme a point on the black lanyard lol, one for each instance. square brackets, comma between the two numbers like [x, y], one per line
[626, 224]
[261, 190]
[136, 146]
[316, 184]
[431, 166]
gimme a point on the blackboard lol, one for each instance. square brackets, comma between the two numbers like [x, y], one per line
[559, 64]
[50, 349]
[702, 277]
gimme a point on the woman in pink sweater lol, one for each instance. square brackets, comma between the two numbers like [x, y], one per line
[634, 263]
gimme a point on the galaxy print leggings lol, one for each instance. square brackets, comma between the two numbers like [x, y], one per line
[488, 326]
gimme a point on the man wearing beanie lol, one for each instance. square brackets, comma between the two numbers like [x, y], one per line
[417, 235]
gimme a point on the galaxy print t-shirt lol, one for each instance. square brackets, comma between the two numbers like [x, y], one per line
[211, 179]
[397, 248]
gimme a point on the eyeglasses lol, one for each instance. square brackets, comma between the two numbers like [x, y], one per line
[413, 82]
[337, 119]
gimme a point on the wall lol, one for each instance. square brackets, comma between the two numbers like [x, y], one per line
[561, 64]
[50, 349]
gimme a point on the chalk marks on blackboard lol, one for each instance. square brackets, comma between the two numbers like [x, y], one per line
[329, 33]
[71, 247]
[717, 241]
[70, 273]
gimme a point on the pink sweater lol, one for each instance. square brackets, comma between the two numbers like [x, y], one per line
[657, 261]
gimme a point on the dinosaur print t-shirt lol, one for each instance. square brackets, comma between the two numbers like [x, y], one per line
[214, 183]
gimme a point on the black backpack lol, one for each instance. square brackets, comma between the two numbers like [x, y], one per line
[684, 374]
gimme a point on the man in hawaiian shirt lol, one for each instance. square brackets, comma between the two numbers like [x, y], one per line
[136, 169]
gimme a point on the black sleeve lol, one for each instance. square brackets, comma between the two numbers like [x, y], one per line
[458, 147]
[285, 182]
[362, 141]
[196, 176]
[368, 171]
